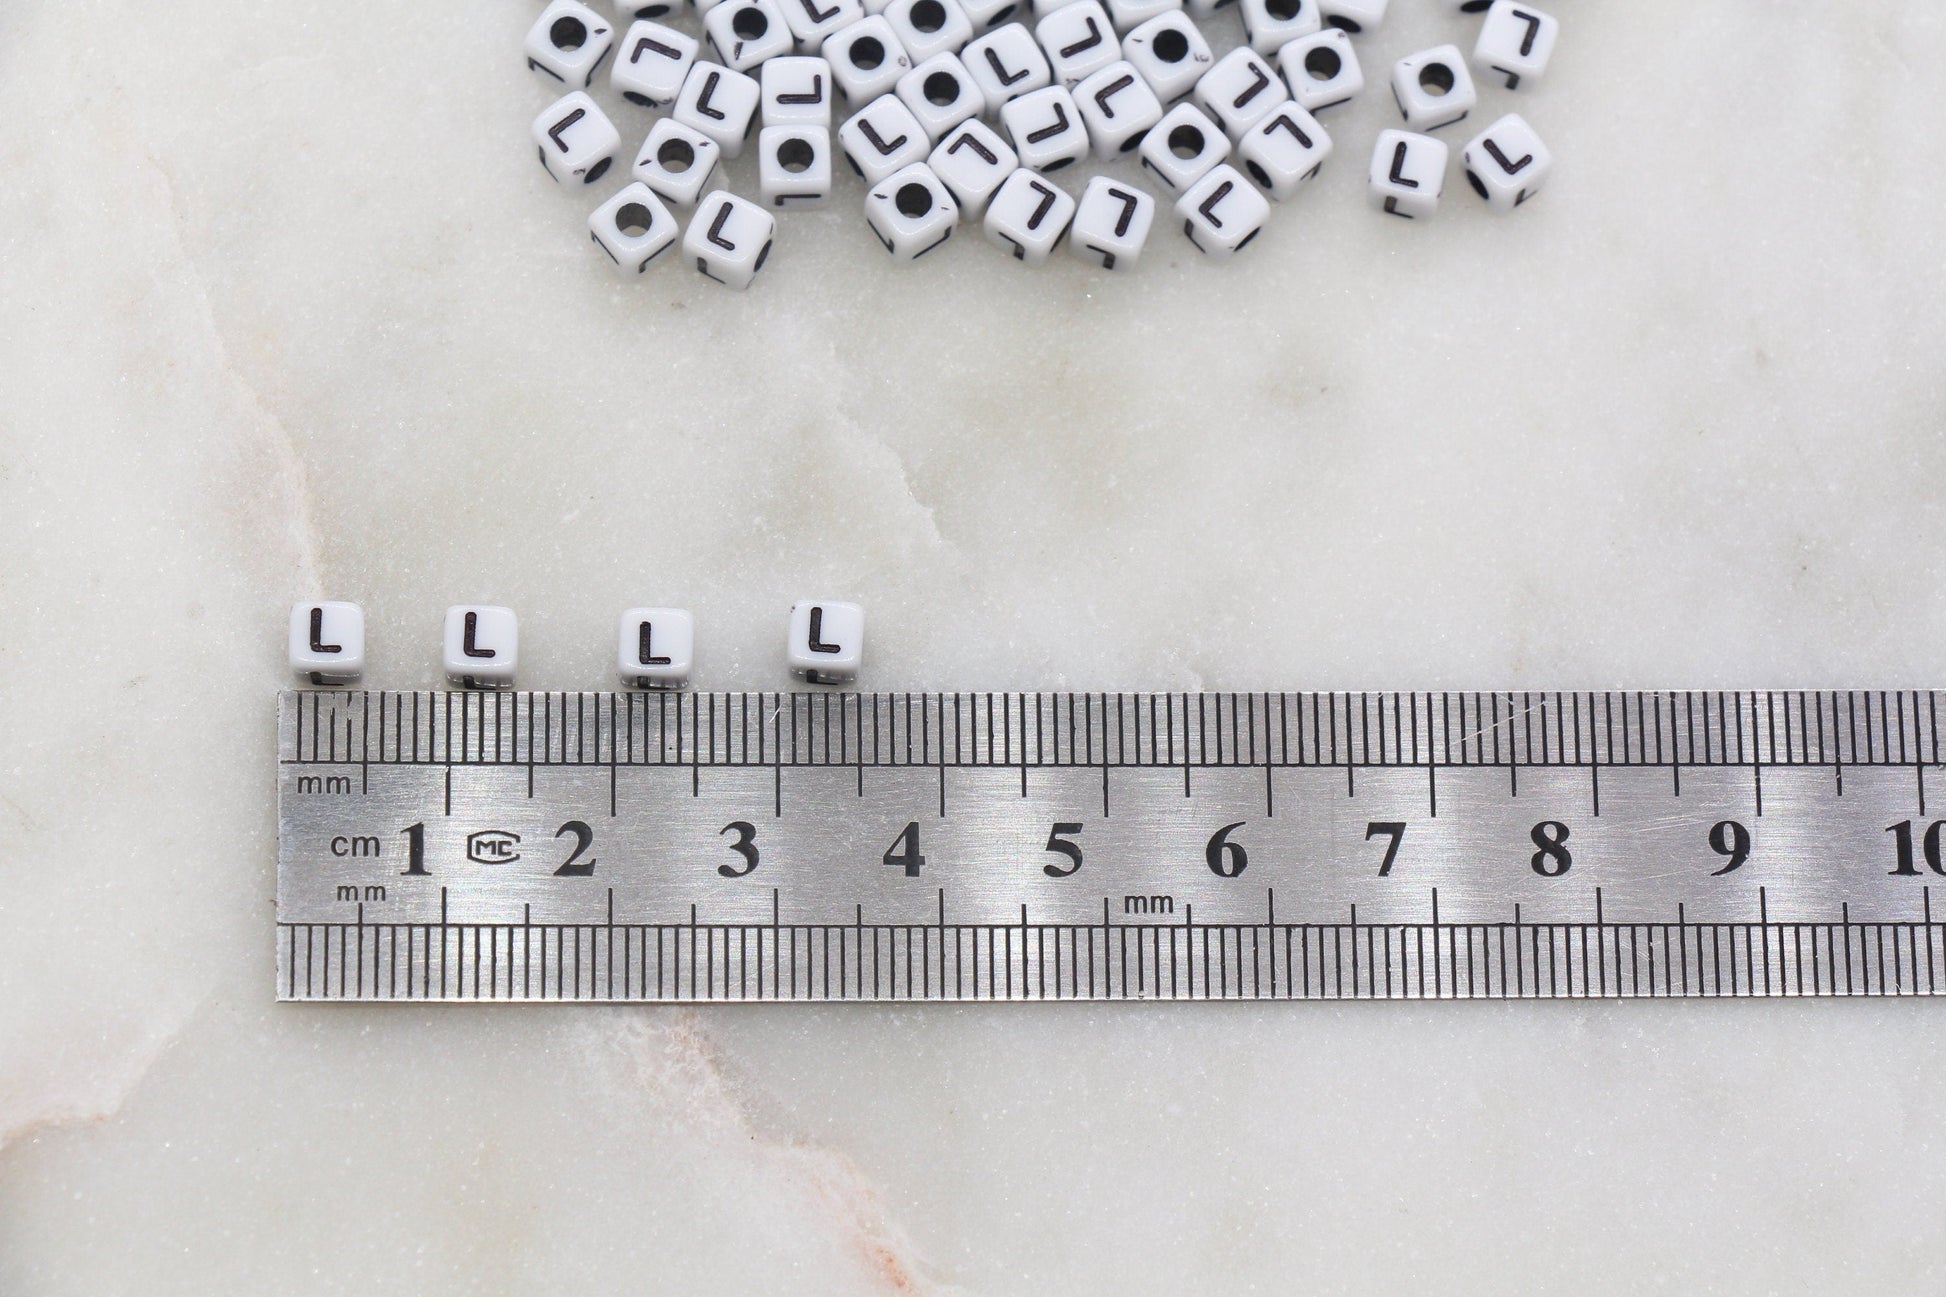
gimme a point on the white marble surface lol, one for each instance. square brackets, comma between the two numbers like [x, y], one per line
[287, 309]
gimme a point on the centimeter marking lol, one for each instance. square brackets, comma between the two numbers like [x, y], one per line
[505, 941]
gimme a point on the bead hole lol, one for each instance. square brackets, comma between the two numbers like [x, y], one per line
[942, 89]
[568, 33]
[795, 155]
[928, 16]
[1171, 46]
[1284, 10]
[866, 53]
[749, 24]
[1323, 64]
[1258, 174]
[1186, 141]
[913, 200]
[1436, 79]
[634, 220]
[676, 156]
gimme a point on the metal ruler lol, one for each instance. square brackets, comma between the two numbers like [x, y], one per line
[1068, 846]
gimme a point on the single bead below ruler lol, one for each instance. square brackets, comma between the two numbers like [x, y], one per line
[657, 648]
[1507, 164]
[328, 642]
[482, 646]
[567, 43]
[827, 641]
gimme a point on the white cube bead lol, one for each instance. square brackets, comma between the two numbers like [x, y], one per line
[482, 646]
[940, 94]
[1516, 42]
[1078, 39]
[1028, 216]
[972, 162]
[1506, 163]
[866, 59]
[1118, 108]
[989, 15]
[1272, 24]
[633, 228]
[1111, 223]
[677, 162]
[1240, 90]
[911, 212]
[1221, 213]
[811, 21]
[728, 238]
[1183, 147]
[1284, 150]
[1046, 129]
[882, 137]
[827, 641]
[1005, 64]
[721, 103]
[929, 27]
[576, 141]
[1322, 71]
[327, 642]
[1354, 16]
[1127, 15]
[1433, 88]
[657, 648]
[794, 166]
[628, 11]
[567, 43]
[651, 64]
[1171, 54]
[743, 33]
[796, 91]
[1408, 174]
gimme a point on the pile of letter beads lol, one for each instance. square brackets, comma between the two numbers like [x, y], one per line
[958, 112]
[655, 647]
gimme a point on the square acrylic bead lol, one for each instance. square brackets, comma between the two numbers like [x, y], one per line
[866, 59]
[1283, 150]
[1516, 42]
[651, 64]
[721, 103]
[482, 646]
[1046, 129]
[972, 162]
[1078, 39]
[1354, 16]
[929, 27]
[1111, 223]
[633, 228]
[576, 141]
[744, 33]
[1005, 64]
[656, 648]
[327, 642]
[1222, 212]
[1408, 174]
[728, 238]
[794, 166]
[1506, 164]
[827, 641]
[1322, 71]
[940, 94]
[1028, 216]
[796, 92]
[882, 137]
[1240, 91]
[1433, 88]
[1272, 24]
[677, 162]
[567, 43]
[811, 21]
[1182, 148]
[911, 212]
[1171, 54]
[1118, 108]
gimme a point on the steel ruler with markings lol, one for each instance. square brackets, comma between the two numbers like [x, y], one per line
[486, 846]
